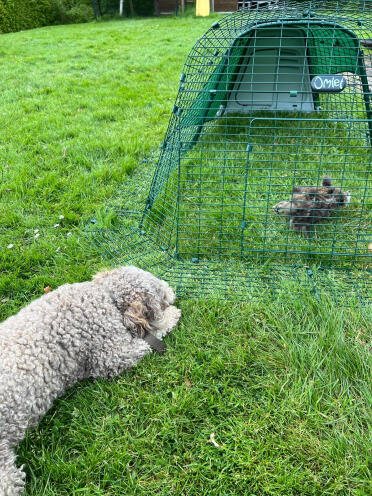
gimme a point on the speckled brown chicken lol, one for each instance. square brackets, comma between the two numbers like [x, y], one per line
[310, 204]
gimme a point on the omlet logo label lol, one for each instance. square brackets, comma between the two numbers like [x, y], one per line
[328, 84]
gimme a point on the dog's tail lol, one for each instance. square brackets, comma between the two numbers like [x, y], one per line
[11, 477]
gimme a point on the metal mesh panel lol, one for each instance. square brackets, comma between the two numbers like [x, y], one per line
[267, 157]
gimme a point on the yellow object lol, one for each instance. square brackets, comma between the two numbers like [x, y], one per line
[202, 8]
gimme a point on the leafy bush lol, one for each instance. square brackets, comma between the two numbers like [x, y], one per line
[141, 7]
[73, 11]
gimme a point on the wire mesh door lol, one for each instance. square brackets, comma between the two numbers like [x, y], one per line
[229, 185]
[296, 154]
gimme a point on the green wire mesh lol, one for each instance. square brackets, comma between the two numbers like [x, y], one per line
[248, 126]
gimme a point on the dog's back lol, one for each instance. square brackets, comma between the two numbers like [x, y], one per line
[39, 356]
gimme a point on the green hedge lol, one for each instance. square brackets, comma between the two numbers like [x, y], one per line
[17, 15]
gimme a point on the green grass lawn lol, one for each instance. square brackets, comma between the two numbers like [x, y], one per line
[284, 386]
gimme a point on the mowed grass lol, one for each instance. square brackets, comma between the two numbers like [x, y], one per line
[284, 386]
[285, 392]
[81, 107]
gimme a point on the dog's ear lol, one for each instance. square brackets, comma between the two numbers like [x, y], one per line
[136, 318]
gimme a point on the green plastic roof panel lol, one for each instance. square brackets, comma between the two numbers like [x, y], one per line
[319, 48]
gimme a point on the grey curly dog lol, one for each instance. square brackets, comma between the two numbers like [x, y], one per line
[89, 329]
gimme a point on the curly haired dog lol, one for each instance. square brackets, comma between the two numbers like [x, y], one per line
[88, 329]
[310, 204]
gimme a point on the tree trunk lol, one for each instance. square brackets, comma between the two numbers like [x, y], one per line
[131, 8]
[156, 7]
[121, 7]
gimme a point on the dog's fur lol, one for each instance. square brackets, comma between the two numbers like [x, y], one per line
[310, 204]
[89, 329]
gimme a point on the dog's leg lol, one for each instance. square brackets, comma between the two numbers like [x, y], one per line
[11, 477]
[117, 353]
